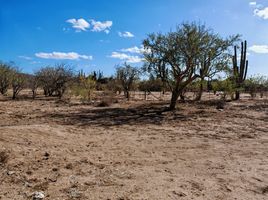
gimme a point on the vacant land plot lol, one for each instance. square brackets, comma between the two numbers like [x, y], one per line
[133, 150]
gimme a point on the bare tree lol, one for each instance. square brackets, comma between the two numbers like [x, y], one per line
[17, 83]
[55, 80]
[126, 75]
[33, 85]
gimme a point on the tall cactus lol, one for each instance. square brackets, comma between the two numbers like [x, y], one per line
[240, 72]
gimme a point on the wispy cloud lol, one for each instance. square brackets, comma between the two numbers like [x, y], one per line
[135, 49]
[253, 3]
[79, 24]
[63, 56]
[25, 57]
[126, 34]
[131, 55]
[262, 49]
[101, 26]
[126, 57]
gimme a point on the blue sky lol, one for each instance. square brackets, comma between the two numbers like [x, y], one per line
[98, 34]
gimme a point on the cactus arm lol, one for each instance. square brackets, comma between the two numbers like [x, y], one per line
[246, 70]
[235, 61]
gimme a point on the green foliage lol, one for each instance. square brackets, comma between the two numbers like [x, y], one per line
[84, 88]
[152, 84]
[256, 84]
[180, 57]
[227, 87]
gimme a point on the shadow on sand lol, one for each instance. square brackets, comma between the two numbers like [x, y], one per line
[149, 114]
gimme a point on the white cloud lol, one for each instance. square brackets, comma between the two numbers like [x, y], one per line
[253, 3]
[263, 49]
[262, 13]
[126, 57]
[25, 57]
[79, 24]
[83, 25]
[125, 34]
[63, 56]
[101, 26]
[135, 49]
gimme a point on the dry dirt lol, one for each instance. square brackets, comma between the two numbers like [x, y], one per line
[133, 150]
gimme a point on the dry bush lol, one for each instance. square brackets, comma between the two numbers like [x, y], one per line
[55, 80]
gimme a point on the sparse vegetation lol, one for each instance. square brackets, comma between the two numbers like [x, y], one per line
[122, 100]
[126, 75]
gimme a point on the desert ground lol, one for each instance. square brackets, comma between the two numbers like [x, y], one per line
[133, 150]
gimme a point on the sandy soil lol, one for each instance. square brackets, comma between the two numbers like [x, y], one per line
[133, 150]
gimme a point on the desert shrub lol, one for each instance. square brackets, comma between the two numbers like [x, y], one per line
[152, 84]
[114, 86]
[84, 88]
[256, 84]
[55, 80]
[226, 86]
[251, 87]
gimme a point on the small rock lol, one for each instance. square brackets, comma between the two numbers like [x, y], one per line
[38, 195]
[53, 177]
[74, 193]
[10, 173]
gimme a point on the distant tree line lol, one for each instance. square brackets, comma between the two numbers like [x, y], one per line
[187, 59]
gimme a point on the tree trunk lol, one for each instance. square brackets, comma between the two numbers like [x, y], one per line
[182, 97]
[200, 92]
[14, 95]
[127, 95]
[174, 98]
[237, 95]
[34, 94]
